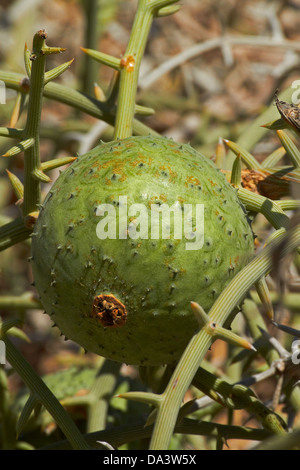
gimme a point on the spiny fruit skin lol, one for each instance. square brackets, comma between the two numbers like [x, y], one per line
[129, 299]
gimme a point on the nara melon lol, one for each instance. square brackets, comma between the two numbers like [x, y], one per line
[127, 237]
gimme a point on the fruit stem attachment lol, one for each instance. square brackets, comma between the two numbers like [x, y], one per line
[130, 64]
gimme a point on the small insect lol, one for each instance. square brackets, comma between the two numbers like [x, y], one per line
[290, 113]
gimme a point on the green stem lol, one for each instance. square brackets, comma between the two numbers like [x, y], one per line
[32, 187]
[8, 437]
[256, 326]
[199, 344]
[90, 69]
[130, 71]
[24, 301]
[239, 397]
[39, 389]
[12, 233]
[130, 64]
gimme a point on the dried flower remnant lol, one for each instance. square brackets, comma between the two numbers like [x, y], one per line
[109, 311]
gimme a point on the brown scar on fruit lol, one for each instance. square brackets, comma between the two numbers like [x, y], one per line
[172, 173]
[192, 180]
[109, 311]
[141, 159]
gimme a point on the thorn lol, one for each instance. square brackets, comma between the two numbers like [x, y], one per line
[99, 93]
[52, 50]
[103, 58]
[248, 159]
[56, 163]
[220, 153]
[144, 110]
[16, 149]
[265, 297]
[218, 332]
[57, 71]
[106, 445]
[151, 418]
[143, 397]
[16, 111]
[236, 172]
[276, 125]
[167, 10]
[200, 314]
[41, 176]
[16, 184]
[287, 329]
[27, 62]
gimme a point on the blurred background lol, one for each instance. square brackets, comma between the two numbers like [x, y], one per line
[212, 84]
[208, 71]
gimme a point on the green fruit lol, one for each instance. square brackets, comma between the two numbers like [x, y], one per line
[129, 299]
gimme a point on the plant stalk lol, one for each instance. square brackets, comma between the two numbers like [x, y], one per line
[130, 64]
[32, 187]
[130, 71]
